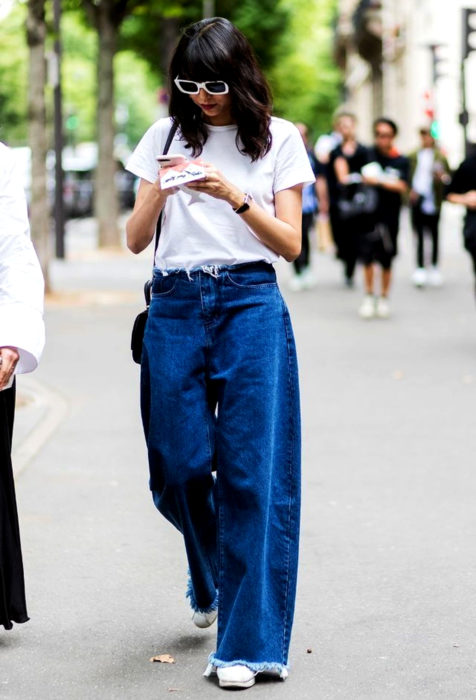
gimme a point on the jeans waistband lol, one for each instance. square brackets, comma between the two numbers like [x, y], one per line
[214, 270]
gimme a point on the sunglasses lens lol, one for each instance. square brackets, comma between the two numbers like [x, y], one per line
[188, 86]
[216, 87]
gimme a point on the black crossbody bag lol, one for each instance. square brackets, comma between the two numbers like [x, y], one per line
[138, 329]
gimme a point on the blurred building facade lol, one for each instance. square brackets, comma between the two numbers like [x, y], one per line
[402, 59]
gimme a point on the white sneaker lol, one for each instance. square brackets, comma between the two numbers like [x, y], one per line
[419, 277]
[367, 307]
[434, 277]
[382, 309]
[203, 620]
[236, 676]
[296, 283]
[308, 278]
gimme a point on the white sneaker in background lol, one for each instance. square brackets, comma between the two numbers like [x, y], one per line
[308, 278]
[296, 283]
[382, 308]
[419, 277]
[367, 307]
[434, 277]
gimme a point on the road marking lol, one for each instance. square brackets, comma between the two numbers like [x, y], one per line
[55, 410]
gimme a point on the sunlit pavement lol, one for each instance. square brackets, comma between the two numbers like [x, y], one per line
[388, 575]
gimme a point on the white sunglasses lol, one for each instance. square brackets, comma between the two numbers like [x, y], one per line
[191, 87]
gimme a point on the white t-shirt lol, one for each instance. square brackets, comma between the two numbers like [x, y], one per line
[423, 179]
[208, 231]
[21, 280]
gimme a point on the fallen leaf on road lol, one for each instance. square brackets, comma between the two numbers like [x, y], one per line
[163, 659]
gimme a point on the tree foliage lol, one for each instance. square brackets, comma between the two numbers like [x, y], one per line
[292, 40]
[14, 72]
[305, 80]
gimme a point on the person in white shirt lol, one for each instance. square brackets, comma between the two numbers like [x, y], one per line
[219, 385]
[21, 344]
[429, 173]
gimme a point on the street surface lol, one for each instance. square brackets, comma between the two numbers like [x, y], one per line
[386, 603]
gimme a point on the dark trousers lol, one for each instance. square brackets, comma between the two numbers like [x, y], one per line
[346, 238]
[12, 587]
[302, 261]
[425, 224]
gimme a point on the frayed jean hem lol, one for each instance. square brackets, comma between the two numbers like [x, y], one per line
[260, 667]
[193, 601]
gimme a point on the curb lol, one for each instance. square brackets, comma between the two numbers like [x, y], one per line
[53, 407]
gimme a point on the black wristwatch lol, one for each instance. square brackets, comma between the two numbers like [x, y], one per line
[246, 204]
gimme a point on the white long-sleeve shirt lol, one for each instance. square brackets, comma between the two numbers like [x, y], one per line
[21, 280]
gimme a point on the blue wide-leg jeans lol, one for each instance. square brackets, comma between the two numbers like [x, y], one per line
[220, 408]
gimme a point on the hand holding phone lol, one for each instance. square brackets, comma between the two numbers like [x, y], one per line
[171, 160]
[177, 169]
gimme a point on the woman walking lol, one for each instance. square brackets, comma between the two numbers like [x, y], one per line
[219, 385]
[21, 344]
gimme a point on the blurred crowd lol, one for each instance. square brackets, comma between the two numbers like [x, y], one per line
[357, 199]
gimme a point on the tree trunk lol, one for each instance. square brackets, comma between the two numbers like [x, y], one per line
[39, 214]
[169, 32]
[106, 205]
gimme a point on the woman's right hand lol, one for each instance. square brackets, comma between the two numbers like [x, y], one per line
[8, 360]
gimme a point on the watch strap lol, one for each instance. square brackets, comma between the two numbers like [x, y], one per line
[246, 204]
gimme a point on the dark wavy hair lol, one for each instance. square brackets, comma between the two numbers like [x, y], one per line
[387, 122]
[213, 49]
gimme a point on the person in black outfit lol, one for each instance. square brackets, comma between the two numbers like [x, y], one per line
[388, 171]
[429, 172]
[462, 190]
[346, 161]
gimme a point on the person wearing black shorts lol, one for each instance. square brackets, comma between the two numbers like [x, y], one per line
[345, 162]
[388, 172]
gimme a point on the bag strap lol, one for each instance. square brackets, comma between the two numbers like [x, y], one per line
[169, 140]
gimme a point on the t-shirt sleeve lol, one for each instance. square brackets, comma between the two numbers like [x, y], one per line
[292, 165]
[143, 160]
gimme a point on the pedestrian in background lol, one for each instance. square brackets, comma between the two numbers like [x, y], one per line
[21, 344]
[344, 177]
[462, 190]
[388, 172]
[219, 384]
[429, 173]
[304, 277]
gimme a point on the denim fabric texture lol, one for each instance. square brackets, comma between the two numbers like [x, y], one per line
[220, 409]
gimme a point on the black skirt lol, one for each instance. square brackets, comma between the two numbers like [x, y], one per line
[12, 585]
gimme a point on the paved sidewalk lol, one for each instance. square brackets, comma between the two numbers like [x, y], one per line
[387, 580]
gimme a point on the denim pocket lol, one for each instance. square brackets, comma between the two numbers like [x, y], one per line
[162, 286]
[255, 279]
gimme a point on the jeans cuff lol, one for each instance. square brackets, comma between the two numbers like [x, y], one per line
[281, 669]
[193, 601]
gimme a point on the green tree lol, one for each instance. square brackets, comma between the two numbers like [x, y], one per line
[152, 30]
[305, 80]
[14, 72]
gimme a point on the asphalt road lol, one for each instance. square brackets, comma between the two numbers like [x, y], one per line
[387, 588]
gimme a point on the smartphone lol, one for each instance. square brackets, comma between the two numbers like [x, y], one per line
[171, 159]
